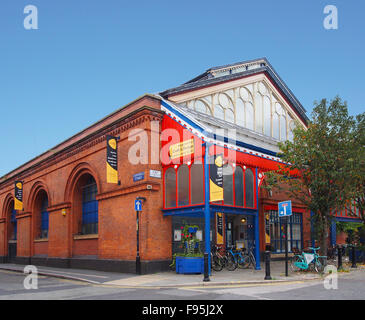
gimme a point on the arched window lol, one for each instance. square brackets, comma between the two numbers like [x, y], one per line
[89, 207]
[197, 183]
[183, 185]
[219, 112]
[13, 224]
[228, 184]
[258, 113]
[44, 218]
[170, 188]
[238, 186]
[267, 116]
[249, 192]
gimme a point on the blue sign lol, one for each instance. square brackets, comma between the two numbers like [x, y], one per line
[138, 176]
[285, 208]
[138, 205]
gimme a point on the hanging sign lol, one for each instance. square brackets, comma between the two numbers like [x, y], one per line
[216, 178]
[111, 160]
[181, 149]
[267, 228]
[219, 224]
[285, 208]
[18, 202]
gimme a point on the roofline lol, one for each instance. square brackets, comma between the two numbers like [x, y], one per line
[53, 151]
[189, 86]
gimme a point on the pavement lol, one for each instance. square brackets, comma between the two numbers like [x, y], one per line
[170, 279]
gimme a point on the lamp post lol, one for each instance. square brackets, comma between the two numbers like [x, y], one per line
[206, 215]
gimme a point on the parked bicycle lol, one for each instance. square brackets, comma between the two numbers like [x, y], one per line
[237, 258]
[305, 260]
[218, 261]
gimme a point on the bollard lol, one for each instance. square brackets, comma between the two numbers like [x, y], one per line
[267, 266]
[339, 253]
[353, 257]
[206, 268]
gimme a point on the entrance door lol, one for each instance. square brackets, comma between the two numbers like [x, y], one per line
[11, 251]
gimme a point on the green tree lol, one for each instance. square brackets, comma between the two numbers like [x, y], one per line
[316, 164]
[357, 170]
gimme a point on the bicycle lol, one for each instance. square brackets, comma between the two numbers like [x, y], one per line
[235, 259]
[306, 260]
[217, 260]
[250, 255]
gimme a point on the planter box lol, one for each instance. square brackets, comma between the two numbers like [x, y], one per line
[186, 265]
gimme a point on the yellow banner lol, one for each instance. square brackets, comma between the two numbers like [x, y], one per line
[219, 223]
[111, 160]
[181, 149]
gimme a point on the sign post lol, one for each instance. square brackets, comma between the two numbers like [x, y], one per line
[138, 208]
[285, 210]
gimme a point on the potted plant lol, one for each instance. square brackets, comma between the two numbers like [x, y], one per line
[191, 260]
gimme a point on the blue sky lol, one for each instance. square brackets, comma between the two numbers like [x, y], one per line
[89, 58]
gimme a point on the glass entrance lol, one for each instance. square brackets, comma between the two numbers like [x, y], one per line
[240, 231]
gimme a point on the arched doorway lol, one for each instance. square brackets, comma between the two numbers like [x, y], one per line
[12, 231]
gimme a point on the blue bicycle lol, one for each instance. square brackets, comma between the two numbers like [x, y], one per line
[237, 258]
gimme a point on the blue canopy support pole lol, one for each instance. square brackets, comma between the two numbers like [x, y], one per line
[206, 204]
[257, 229]
[333, 233]
[312, 230]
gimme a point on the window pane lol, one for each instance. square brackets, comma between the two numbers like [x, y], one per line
[282, 128]
[258, 113]
[229, 116]
[275, 126]
[249, 188]
[218, 112]
[89, 206]
[238, 184]
[197, 183]
[170, 188]
[200, 106]
[267, 116]
[240, 113]
[183, 185]
[249, 115]
[228, 185]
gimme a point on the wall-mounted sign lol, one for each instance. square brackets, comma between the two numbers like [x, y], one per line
[284, 208]
[138, 176]
[216, 178]
[111, 160]
[219, 217]
[267, 228]
[155, 174]
[177, 235]
[181, 149]
[18, 202]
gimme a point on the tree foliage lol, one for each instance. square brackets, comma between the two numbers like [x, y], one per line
[318, 164]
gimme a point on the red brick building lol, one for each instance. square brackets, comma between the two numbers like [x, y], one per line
[73, 218]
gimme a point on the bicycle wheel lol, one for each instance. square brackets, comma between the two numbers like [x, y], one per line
[296, 262]
[231, 264]
[253, 260]
[320, 264]
[216, 264]
[244, 261]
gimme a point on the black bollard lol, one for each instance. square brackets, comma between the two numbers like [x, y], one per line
[267, 266]
[353, 257]
[206, 268]
[339, 253]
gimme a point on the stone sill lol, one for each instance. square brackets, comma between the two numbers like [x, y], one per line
[41, 240]
[85, 236]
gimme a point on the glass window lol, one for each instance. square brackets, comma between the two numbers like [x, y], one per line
[282, 127]
[249, 115]
[44, 218]
[89, 208]
[219, 112]
[183, 185]
[229, 116]
[275, 126]
[200, 106]
[249, 192]
[267, 116]
[14, 224]
[228, 185]
[238, 186]
[170, 188]
[240, 113]
[197, 183]
[258, 113]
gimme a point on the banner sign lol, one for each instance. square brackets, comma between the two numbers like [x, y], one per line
[18, 202]
[181, 149]
[216, 178]
[219, 228]
[267, 228]
[111, 160]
